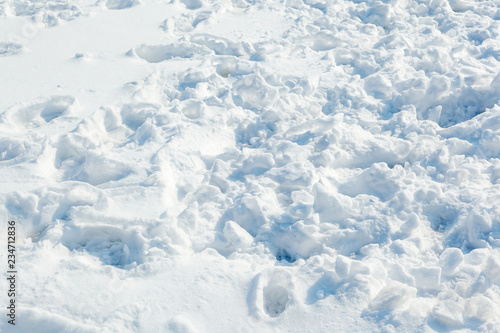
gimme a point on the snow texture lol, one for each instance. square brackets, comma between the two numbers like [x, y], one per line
[252, 166]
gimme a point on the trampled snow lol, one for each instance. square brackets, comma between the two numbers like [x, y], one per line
[251, 166]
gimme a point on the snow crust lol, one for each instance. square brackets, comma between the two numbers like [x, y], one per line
[252, 166]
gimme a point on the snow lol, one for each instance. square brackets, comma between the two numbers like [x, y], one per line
[243, 166]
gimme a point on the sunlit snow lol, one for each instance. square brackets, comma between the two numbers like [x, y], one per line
[251, 165]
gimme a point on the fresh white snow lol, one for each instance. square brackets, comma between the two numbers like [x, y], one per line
[251, 165]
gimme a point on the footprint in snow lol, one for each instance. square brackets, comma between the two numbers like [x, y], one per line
[271, 293]
[35, 114]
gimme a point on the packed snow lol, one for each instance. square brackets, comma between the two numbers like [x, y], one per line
[251, 165]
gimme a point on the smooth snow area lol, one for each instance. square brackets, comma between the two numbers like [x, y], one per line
[251, 166]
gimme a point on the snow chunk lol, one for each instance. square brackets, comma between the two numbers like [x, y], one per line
[159, 53]
[121, 4]
[238, 236]
[376, 180]
[180, 324]
[192, 108]
[450, 259]
[302, 206]
[492, 269]
[253, 92]
[323, 41]
[427, 278]
[219, 45]
[392, 296]
[449, 311]
[410, 225]
[257, 163]
[378, 86]
[192, 4]
[248, 213]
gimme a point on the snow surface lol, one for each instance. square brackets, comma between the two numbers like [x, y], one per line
[252, 165]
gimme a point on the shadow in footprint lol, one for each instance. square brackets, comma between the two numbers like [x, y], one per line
[276, 298]
[38, 113]
[56, 107]
[112, 245]
[270, 293]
